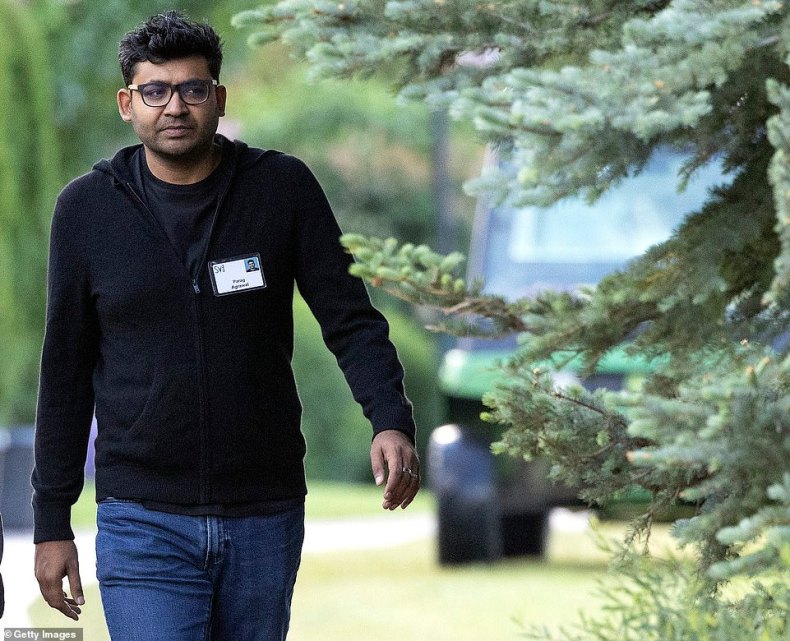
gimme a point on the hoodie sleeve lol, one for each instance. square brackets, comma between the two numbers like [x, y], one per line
[355, 332]
[65, 396]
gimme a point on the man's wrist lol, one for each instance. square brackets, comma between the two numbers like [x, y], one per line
[408, 432]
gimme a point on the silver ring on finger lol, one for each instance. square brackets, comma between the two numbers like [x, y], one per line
[410, 472]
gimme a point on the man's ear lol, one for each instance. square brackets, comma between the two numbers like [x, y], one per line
[124, 98]
[222, 95]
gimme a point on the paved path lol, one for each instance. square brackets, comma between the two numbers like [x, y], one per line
[320, 536]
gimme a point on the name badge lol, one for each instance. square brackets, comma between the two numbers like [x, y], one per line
[238, 274]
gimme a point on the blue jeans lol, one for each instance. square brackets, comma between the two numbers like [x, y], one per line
[196, 578]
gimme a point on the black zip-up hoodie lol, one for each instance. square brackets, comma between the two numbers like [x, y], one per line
[193, 392]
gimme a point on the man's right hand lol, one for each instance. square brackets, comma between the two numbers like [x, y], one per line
[53, 561]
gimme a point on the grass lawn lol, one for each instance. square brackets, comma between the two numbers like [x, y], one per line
[401, 592]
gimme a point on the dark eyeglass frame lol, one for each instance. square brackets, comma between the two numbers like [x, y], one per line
[172, 89]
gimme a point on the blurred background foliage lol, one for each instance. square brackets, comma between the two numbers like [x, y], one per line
[29, 179]
[334, 427]
[372, 156]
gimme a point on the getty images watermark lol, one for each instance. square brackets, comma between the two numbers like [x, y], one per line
[38, 634]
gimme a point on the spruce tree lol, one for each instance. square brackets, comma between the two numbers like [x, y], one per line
[579, 96]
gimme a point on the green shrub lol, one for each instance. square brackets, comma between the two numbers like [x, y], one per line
[654, 599]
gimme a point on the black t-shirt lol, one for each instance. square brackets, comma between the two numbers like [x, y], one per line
[184, 211]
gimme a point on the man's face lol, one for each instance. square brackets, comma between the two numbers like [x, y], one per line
[177, 131]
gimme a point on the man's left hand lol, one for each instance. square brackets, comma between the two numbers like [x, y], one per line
[392, 456]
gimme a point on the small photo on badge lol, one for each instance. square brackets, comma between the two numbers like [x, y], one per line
[251, 264]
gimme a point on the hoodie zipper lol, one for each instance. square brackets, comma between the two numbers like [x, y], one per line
[201, 360]
[205, 451]
[205, 455]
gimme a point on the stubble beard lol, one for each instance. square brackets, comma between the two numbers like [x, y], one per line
[185, 156]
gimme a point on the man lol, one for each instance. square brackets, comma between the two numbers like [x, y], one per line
[199, 475]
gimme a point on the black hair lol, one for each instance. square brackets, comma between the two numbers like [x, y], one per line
[169, 36]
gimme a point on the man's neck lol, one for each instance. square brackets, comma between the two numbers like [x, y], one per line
[183, 171]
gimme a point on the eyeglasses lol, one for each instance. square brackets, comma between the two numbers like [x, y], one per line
[158, 94]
